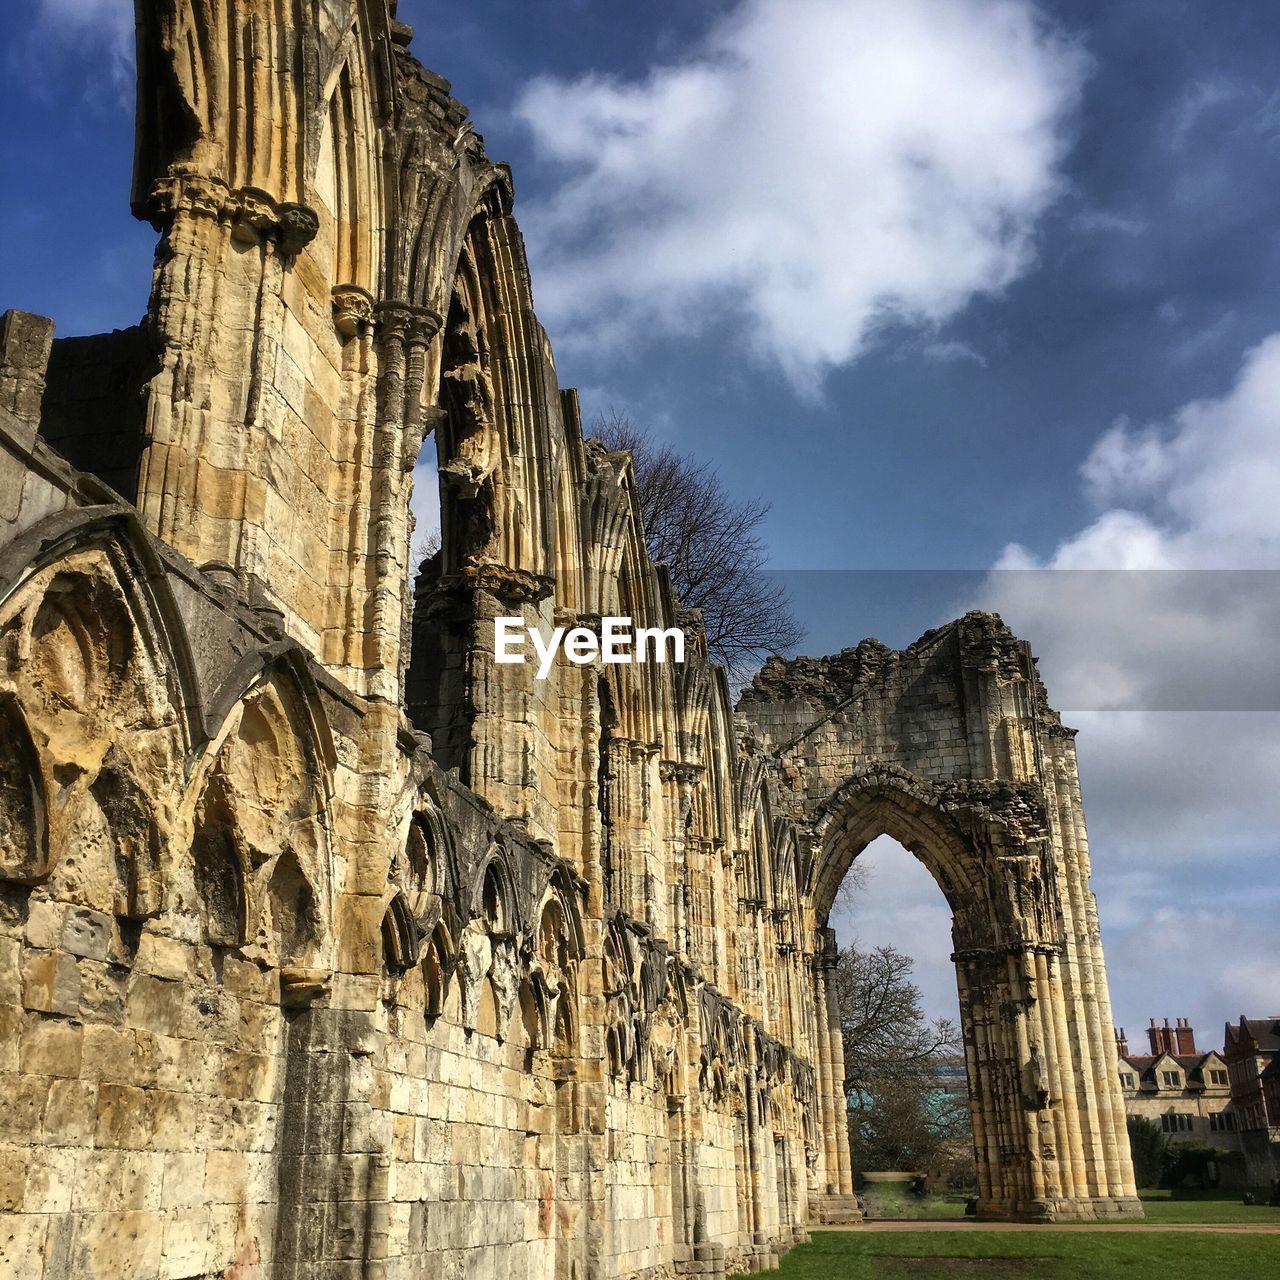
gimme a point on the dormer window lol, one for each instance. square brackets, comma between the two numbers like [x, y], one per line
[1169, 1079]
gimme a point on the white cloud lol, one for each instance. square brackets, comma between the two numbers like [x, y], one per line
[814, 169]
[1155, 626]
[1109, 222]
[102, 26]
[900, 905]
[952, 351]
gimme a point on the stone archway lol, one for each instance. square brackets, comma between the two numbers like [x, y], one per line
[950, 747]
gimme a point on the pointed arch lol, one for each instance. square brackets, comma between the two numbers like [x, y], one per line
[258, 809]
[108, 549]
[24, 806]
[893, 803]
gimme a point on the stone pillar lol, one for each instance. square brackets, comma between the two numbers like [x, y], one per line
[25, 343]
[841, 1104]
[830, 1161]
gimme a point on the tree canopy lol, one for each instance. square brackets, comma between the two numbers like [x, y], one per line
[908, 1107]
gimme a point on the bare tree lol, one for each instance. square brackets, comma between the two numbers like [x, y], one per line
[710, 542]
[905, 1110]
[425, 545]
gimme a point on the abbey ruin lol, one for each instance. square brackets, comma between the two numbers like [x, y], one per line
[330, 947]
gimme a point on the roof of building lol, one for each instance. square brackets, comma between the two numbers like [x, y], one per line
[1145, 1064]
[1264, 1031]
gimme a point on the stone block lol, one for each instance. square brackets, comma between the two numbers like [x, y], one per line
[70, 1113]
[50, 982]
[155, 1004]
[87, 933]
[102, 988]
[123, 1245]
[185, 1241]
[44, 924]
[50, 1046]
[23, 1239]
[10, 971]
[165, 957]
[51, 1176]
[123, 1117]
[14, 1162]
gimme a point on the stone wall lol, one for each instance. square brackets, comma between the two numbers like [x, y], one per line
[332, 947]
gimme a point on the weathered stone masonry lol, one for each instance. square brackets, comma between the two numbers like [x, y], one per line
[329, 947]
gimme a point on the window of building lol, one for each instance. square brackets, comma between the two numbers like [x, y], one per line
[1169, 1078]
[1222, 1122]
[1173, 1123]
[1218, 1077]
[1126, 1080]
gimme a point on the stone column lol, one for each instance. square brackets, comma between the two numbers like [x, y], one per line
[830, 1160]
[840, 1101]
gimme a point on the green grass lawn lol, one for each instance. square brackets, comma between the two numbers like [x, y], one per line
[894, 1201]
[1085, 1254]
[1160, 1206]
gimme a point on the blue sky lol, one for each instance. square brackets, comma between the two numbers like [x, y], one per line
[959, 283]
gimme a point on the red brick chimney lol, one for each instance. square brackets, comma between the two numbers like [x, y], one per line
[1186, 1037]
[1161, 1038]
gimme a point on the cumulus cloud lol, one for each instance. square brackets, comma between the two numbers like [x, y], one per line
[1170, 597]
[814, 169]
[1155, 626]
[104, 27]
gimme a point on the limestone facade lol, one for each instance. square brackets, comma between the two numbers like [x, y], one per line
[1184, 1091]
[329, 946]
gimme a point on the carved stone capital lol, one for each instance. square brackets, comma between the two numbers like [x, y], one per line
[189, 193]
[296, 227]
[352, 309]
[405, 322]
[254, 215]
[680, 771]
[453, 595]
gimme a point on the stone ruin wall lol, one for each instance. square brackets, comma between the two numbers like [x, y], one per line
[328, 946]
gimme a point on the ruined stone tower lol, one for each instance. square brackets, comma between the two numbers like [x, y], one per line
[329, 946]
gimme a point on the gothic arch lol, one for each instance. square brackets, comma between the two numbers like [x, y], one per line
[950, 748]
[93, 649]
[257, 808]
[107, 550]
[899, 806]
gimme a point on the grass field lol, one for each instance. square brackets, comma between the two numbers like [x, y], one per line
[1084, 1254]
[1159, 1206]
[892, 1201]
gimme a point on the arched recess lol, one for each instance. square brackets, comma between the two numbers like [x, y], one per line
[24, 821]
[488, 961]
[549, 995]
[90, 567]
[420, 922]
[258, 809]
[348, 171]
[93, 650]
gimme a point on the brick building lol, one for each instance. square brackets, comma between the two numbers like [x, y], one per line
[1251, 1049]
